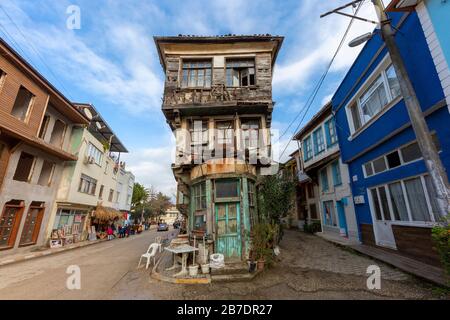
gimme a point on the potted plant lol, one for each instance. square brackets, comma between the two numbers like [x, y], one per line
[193, 270]
[251, 261]
[263, 237]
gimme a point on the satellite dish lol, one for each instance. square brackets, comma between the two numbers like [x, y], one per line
[361, 39]
[88, 113]
[99, 125]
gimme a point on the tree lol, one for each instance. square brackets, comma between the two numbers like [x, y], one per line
[276, 198]
[140, 195]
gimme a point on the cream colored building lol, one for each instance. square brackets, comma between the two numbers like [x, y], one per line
[98, 178]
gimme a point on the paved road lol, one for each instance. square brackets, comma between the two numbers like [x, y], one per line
[309, 268]
[102, 266]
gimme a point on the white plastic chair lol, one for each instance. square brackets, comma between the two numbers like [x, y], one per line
[151, 253]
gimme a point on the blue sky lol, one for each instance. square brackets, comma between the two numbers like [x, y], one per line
[112, 62]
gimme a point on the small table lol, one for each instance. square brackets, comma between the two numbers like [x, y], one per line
[184, 249]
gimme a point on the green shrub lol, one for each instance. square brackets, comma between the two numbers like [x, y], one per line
[441, 239]
[312, 227]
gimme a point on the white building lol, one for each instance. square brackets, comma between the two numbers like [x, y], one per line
[330, 189]
[97, 179]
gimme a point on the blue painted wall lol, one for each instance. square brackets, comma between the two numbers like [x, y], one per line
[422, 72]
[439, 12]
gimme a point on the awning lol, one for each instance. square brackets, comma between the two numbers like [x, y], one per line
[105, 214]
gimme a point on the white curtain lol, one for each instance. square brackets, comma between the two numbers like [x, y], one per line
[398, 201]
[417, 202]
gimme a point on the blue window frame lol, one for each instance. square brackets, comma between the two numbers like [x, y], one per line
[307, 149]
[319, 143]
[337, 178]
[330, 132]
[324, 180]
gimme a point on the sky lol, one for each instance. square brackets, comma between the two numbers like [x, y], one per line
[111, 60]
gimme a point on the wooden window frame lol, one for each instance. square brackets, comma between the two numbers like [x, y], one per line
[33, 165]
[241, 70]
[44, 127]
[196, 69]
[63, 136]
[50, 177]
[30, 104]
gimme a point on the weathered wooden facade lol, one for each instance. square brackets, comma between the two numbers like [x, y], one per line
[218, 102]
[36, 123]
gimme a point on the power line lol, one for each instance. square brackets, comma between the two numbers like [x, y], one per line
[36, 51]
[321, 80]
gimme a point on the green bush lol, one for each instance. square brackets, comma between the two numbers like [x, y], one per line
[441, 239]
[312, 227]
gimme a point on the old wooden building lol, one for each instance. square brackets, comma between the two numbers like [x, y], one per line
[36, 123]
[218, 102]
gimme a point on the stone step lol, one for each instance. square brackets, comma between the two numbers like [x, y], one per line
[233, 277]
[232, 268]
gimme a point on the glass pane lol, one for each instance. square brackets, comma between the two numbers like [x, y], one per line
[221, 212]
[232, 226]
[411, 152]
[226, 188]
[394, 85]
[368, 167]
[384, 203]
[232, 211]
[416, 198]
[398, 202]
[376, 204]
[373, 100]
[221, 227]
[355, 116]
[379, 165]
[393, 160]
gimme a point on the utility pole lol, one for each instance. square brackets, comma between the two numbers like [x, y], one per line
[429, 152]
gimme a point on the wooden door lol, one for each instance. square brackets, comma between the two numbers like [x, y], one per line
[228, 229]
[9, 224]
[32, 225]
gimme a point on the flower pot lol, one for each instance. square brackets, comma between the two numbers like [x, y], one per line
[261, 264]
[251, 266]
[205, 268]
[193, 270]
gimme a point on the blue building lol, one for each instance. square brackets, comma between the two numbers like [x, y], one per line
[434, 17]
[392, 192]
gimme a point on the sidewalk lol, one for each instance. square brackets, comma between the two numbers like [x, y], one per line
[411, 266]
[25, 256]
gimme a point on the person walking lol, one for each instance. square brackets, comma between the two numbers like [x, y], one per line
[110, 233]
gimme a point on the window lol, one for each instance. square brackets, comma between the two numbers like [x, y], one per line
[196, 74]
[226, 189]
[9, 222]
[319, 144]
[44, 126]
[22, 104]
[225, 133]
[59, 130]
[337, 178]
[307, 149]
[30, 231]
[100, 194]
[24, 169]
[45, 178]
[324, 180]
[117, 196]
[250, 132]
[95, 153]
[198, 130]
[411, 200]
[393, 160]
[200, 196]
[397, 158]
[87, 185]
[384, 89]
[379, 165]
[330, 132]
[111, 195]
[329, 213]
[240, 72]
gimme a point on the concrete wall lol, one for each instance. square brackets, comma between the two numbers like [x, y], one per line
[30, 191]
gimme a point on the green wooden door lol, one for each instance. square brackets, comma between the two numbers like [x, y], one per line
[228, 229]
